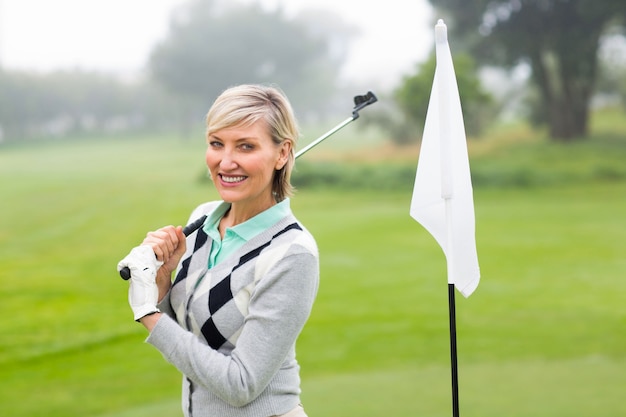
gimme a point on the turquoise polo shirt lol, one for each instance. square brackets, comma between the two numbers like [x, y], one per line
[236, 236]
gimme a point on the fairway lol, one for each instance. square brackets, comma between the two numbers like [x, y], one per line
[542, 336]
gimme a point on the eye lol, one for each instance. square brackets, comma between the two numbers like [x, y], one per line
[246, 146]
[215, 144]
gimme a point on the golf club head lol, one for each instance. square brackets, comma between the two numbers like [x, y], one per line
[362, 101]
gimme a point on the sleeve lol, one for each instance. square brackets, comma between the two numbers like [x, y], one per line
[165, 306]
[278, 310]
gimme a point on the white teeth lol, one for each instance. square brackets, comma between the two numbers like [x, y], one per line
[232, 179]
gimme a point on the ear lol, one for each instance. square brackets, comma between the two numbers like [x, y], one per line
[283, 155]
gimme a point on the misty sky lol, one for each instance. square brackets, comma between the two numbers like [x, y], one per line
[116, 35]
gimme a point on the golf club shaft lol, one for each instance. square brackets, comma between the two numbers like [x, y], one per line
[323, 137]
[360, 102]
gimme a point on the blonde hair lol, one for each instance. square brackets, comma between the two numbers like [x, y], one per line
[246, 104]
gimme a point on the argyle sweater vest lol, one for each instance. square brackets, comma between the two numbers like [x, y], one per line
[233, 328]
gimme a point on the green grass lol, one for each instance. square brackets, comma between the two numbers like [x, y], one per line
[542, 336]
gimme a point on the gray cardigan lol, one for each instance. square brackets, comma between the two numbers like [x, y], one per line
[232, 330]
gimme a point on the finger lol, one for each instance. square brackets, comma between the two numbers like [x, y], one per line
[173, 237]
[165, 238]
[160, 253]
[171, 240]
[182, 241]
[159, 246]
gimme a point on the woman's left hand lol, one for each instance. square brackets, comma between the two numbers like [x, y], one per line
[169, 245]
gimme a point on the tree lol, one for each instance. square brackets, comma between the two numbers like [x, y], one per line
[558, 39]
[62, 103]
[213, 45]
[414, 93]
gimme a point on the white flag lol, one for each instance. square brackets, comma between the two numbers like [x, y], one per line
[442, 196]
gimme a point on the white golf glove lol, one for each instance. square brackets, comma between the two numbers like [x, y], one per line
[143, 293]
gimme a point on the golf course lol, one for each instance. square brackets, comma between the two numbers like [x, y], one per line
[543, 335]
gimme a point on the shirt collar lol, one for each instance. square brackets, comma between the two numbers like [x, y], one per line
[251, 227]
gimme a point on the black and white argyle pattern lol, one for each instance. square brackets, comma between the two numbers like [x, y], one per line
[214, 303]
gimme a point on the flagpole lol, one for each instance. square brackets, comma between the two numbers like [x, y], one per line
[453, 354]
[447, 193]
[452, 313]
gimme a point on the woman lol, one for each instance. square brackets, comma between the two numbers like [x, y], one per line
[246, 280]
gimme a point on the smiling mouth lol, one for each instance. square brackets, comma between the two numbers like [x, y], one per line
[232, 179]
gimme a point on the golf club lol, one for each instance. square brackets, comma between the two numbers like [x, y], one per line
[359, 103]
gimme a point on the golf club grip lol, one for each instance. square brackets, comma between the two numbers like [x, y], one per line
[187, 230]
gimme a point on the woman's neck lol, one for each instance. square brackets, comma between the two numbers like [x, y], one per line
[239, 213]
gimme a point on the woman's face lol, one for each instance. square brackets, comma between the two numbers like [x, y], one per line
[242, 161]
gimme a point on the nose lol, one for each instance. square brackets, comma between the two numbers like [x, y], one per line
[220, 159]
[227, 161]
